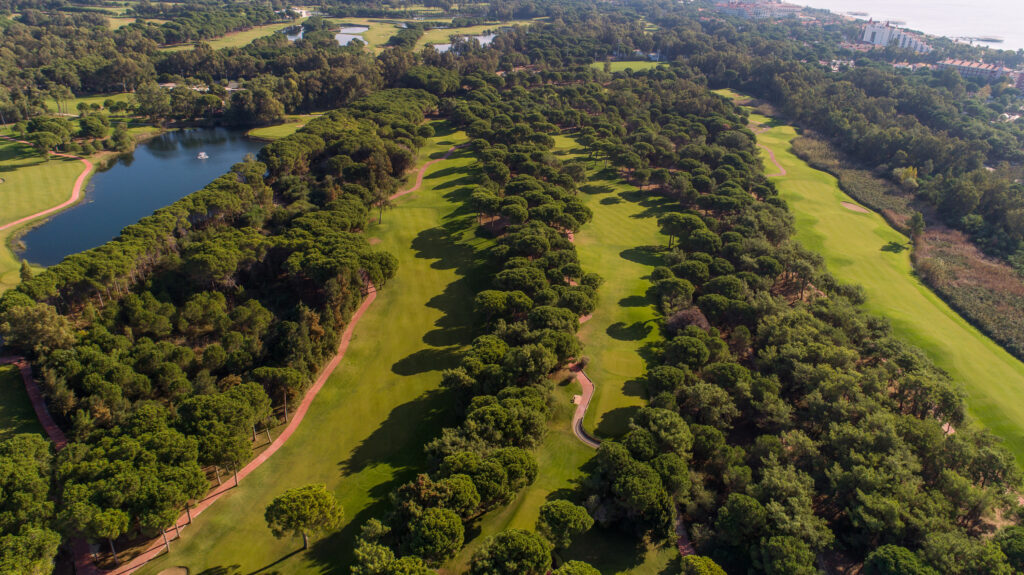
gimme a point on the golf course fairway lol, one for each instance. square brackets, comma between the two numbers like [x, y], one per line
[363, 436]
[859, 247]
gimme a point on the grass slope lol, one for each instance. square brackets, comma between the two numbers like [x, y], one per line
[364, 434]
[16, 413]
[861, 248]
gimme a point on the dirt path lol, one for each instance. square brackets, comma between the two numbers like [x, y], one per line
[581, 409]
[76, 190]
[423, 172]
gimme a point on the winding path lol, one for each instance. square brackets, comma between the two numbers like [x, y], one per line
[76, 190]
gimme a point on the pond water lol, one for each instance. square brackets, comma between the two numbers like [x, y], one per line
[159, 172]
[484, 40]
[344, 35]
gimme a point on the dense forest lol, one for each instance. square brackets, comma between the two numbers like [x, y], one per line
[787, 428]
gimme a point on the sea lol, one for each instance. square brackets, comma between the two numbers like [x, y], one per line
[950, 18]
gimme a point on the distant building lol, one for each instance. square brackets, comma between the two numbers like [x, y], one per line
[979, 70]
[758, 9]
[882, 35]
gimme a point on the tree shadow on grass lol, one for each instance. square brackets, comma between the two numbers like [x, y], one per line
[611, 201]
[609, 550]
[636, 301]
[643, 255]
[895, 247]
[635, 331]
[595, 189]
[615, 423]
[220, 570]
[263, 570]
[427, 359]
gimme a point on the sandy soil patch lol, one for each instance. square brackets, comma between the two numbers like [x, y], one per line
[373, 241]
[855, 208]
[174, 571]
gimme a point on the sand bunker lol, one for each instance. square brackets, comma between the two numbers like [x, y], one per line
[373, 241]
[855, 208]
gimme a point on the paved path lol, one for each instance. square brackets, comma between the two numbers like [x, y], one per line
[76, 190]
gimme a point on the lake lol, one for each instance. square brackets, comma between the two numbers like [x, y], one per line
[160, 171]
[951, 18]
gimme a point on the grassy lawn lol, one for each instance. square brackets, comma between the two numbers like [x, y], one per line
[289, 127]
[619, 66]
[16, 413]
[364, 434]
[612, 245]
[861, 248]
[237, 39]
[30, 184]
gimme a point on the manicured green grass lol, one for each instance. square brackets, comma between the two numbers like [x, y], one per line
[861, 248]
[238, 39]
[363, 435]
[30, 184]
[619, 66]
[271, 133]
[613, 246]
[16, 413]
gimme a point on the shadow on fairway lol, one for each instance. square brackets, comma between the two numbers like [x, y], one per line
[635, 331]
[635, 301]
[643, 255]
[895, 248]
[614, 423]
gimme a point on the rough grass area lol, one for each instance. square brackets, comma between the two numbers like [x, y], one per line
[363, 435]
[862, 248]
[16, 413]
[444, 35]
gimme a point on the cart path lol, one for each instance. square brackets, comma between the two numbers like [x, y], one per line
[76, 190]
[760, 129]
[423, 172]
